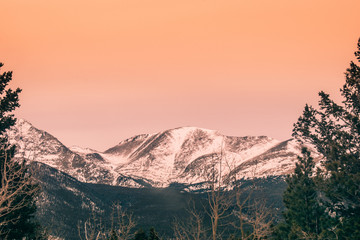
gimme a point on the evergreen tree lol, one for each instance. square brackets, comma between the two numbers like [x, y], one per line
[153, 234]
[140, 235]
[9, 102]
[334, 129]
[305, 218]
[17, 191]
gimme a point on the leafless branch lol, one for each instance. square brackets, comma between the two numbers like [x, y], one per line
[193, 228]
[92, 228]
[15, 189]
[123, 222]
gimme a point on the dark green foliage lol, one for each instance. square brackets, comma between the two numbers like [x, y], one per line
[153, 235]
[334, 129]
[140, 235]
[9, 100]
[18, 206]
[150, 206]
[305, 217]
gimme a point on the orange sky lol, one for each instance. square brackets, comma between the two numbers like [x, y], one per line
[95, 72]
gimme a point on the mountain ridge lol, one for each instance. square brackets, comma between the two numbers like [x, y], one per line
[179, 155]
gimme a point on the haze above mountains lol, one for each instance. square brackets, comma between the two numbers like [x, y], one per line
[181, 155]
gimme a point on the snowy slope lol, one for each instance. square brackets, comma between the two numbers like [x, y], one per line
[37, 145]
[184, 155]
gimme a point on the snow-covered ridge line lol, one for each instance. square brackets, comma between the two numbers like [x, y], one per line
[137, 137]
[175, 155]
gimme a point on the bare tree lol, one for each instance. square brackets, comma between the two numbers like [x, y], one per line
[261, 220]
[217, 206]
[14, 183]
[123, 223]
[241, 203]
[254, 219]
[193, 228]
[92, 228]
[227, 191]
[253, 215]
[228, 199]
[219, 199]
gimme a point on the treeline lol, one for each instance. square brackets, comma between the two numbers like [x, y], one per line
[321, 201]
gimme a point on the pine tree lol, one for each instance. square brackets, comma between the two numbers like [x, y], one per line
[17, 191]
[334, 129]
[305, 218]
[140, 235]
[9, 102]
[153, 234]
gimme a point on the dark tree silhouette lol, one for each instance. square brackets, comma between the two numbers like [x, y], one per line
[305, 216]
[17, 190]
[334, 129]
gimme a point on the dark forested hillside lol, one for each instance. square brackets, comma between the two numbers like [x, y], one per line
[65, 202]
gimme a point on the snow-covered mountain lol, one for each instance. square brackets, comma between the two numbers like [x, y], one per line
[37, 145]
[183, 155]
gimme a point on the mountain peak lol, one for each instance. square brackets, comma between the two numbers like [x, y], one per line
[191, 129]
[23, 124]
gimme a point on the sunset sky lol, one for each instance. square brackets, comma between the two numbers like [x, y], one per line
[95, 72]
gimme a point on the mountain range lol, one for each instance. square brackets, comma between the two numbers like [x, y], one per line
[182, 155]
[151, 175]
